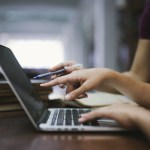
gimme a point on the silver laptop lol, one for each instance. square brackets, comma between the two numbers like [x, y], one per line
[46, 119]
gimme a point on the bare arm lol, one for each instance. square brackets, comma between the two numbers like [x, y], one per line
[140, 69]
[95, 78]
[134, 89]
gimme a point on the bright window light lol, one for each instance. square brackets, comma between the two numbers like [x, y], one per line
[37, 53]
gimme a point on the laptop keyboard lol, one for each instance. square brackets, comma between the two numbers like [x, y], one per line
[69, 117]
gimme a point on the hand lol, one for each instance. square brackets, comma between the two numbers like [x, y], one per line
[122, 113]
[83, 81]
[69, 67]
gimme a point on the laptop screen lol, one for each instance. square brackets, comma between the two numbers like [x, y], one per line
[21, 85]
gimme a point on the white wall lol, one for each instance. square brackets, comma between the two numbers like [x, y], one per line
[78, 36]
[106, 34]
[92, 37]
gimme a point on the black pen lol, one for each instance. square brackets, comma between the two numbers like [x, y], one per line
[55, 72]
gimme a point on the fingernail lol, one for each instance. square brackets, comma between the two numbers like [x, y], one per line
[67, 67]
[78, 66]
[67, 97]
[81, 119]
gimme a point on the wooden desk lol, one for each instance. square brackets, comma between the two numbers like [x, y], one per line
[17, 133]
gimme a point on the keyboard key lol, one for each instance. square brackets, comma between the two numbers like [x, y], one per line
[75, 117]
[54, 117]
[68, 122]
[81, 111]
[68, 112]
[75, 112]
[60, 119]
[61, 112]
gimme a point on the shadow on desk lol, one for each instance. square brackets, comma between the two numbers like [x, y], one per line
[17, 133]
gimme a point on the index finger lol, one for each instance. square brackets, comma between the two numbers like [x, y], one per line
[92, 115]
[57, 81]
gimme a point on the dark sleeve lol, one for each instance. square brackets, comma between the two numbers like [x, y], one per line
[144, 26]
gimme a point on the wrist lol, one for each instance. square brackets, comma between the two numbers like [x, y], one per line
[112, 78]
[138, 114]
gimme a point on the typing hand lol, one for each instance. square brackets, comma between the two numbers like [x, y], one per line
[122, 113]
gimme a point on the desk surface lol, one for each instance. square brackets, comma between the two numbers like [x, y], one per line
[17, 133]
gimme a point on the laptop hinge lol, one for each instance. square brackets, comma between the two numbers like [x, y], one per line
[44, 117]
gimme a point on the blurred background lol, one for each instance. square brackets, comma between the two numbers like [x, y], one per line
[95, 33]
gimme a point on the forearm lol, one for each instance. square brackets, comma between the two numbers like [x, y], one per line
[136, 90]
[130, 74]
[110, 89]
[141, 65]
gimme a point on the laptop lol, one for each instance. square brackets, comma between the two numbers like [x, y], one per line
[43, 118]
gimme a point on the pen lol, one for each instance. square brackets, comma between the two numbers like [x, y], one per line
[55, 72]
